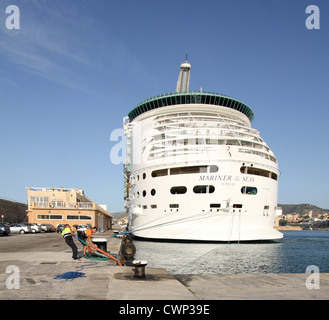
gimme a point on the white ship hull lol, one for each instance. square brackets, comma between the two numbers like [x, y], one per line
[196, 170]
[206, 227]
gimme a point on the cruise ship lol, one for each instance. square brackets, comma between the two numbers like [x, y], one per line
[196, 170]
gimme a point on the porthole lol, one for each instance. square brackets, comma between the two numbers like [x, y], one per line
[249, 190]
[153, 192]
[204, 189]
[144, 175]
[178, 190]
[144, 193]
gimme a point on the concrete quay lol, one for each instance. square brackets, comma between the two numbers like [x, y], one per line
[103, 280]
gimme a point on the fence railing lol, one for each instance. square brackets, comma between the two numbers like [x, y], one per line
[64, 205]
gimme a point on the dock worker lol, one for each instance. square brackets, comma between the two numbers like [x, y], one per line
[88, 240]
[68, 235]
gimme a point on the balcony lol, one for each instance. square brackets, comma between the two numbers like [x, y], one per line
[63, 205]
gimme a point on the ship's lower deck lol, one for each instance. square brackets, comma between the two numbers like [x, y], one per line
[204, 203]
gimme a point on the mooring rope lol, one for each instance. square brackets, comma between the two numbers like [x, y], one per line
[181, 220]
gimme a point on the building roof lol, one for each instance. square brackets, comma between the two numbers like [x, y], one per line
[192, 97]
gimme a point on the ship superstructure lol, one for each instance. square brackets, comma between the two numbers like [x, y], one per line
[197, 170]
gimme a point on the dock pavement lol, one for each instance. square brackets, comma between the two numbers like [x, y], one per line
[34, 276]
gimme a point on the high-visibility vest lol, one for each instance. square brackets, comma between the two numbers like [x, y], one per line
[66, 232]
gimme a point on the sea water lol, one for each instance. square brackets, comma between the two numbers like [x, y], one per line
[292, 254]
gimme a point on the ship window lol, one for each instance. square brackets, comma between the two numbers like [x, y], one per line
[258, 172]
[153, 206]
[186, 170]
[215, 205]
[144, 193]
[237, 205]
[144, 175]
[249, 190]
[159, 173]
[204, 189]
[144, 206]
[178, 190]
[213, 169]
[153, 192]
[173, 205]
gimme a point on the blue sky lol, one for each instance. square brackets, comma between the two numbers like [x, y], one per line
[75, 68]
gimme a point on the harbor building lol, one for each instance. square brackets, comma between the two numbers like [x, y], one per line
[66, 205]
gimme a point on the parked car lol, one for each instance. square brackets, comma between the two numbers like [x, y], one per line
[82, 227]
[20, 228]
[46, 227]
[60, 228]
[35, 227]
[4, 229]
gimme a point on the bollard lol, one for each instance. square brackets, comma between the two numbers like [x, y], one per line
[139, 269]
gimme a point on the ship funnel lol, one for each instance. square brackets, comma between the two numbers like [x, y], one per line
[183, 82]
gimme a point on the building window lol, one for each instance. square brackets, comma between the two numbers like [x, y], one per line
[72, 217]
[85, 217]
[49, 217]
[249, 190]
[39, 201]
[43, 217]
[204, 189]
[178, 190]
[57, 204]
[56, 217]
[78, 217]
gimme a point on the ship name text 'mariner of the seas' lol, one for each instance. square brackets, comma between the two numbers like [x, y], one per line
[196, 170]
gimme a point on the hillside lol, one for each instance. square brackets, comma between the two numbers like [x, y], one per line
[13, 211]
[302, 209]
[118, 215]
